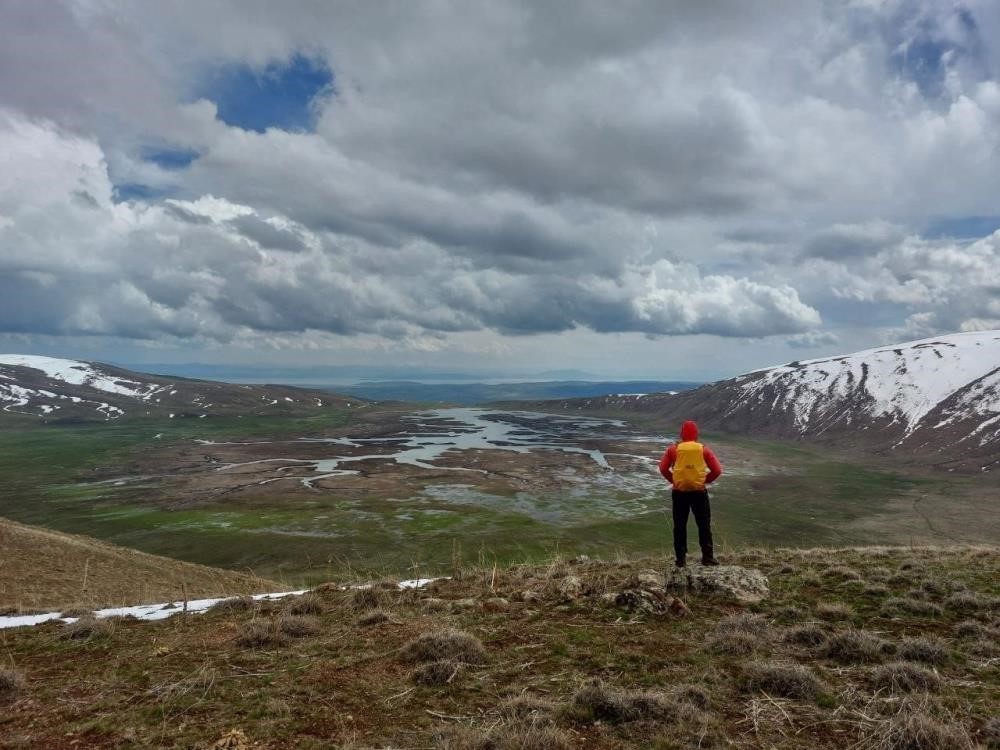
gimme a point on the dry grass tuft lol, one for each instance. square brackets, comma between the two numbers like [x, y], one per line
[879, 575]
[236, 604]
[11, 684]
[506, 737]
[368, 598]
[784, 680]
[298, 626]
[694, 695]
[857, 646]
[841, 573]
[87, 628]
[733, 643]
[910, 605]
[437, 673]
[375, 617]
[527, 708]
[965, 602]
[612, 704]
[970, 629]
[752, 624]
[915, 729]
[911, 565]
[903, 677]
[307, 604]
[443, 645]
[987, 648]
[260, 634]
[806, 635]
[990, 734]
[899, 579]
[927, 650]
[834, 611]
[875, 589]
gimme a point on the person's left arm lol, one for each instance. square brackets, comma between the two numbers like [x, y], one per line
[714, 467]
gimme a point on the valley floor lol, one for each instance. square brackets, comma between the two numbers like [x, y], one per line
[855, 648]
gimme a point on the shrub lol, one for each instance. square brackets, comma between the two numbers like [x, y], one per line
[87, 628]
[856, 646]
[307, 604]
[437, 673]
[615, 705]
[442, 645]
[298, 626]
[261, 633]
[806, 635]
[903, 677]
[784, 680]
[927, 650]
[374, 617]
[11, 684]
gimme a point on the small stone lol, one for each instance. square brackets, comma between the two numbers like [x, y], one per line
[496, 604]
[570, 588]
[530, 597]
[647, 579]
[463, 604]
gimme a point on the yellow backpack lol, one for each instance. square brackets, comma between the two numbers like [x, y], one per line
[689, 466]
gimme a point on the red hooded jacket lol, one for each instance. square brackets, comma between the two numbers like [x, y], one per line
[689, 431]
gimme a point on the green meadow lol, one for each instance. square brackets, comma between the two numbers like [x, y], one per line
[796, 495]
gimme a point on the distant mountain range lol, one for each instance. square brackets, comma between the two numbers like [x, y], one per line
[66, 390]
[936, 397]
[480, 393]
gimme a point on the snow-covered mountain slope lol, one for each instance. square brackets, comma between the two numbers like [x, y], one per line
[68, 390]
[936, 399]
[902, 383]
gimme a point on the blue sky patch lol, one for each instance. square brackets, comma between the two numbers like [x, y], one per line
[279, 96]
[962, 227]
[169, 158]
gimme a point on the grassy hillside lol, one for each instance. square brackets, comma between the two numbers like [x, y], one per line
[43, 569]
[862, 648]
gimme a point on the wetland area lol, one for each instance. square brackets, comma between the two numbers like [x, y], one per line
[412, 492]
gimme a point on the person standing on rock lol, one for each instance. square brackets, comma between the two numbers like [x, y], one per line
[690, 467]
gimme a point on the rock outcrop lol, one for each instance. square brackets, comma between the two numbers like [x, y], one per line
[744, 585]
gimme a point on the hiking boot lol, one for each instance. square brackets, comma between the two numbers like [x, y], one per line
[679, 563]
[709, 561]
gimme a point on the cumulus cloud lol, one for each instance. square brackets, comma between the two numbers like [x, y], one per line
[215, 269]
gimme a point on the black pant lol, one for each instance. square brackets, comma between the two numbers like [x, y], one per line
[697, 502]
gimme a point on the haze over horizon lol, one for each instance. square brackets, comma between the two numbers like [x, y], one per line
[680, 190]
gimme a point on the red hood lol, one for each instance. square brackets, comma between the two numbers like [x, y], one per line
[689, 431]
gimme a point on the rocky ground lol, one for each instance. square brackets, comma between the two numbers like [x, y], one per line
[858, 647]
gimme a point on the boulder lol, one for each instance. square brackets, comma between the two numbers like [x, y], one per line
[745, 585]
[496, 604]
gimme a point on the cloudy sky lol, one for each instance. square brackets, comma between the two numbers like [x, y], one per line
[683, 189]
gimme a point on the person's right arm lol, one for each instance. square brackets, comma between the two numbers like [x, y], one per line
[667, 463]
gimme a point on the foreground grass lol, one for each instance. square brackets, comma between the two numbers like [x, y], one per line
[866, 648]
